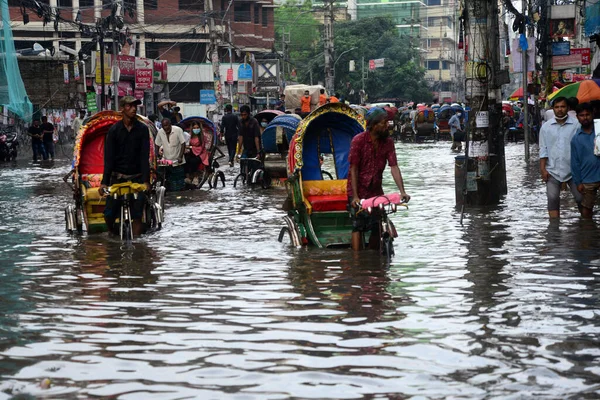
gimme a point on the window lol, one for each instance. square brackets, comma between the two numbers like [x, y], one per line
[86, 3]
[445, 65]
[192, 53]
[152, 50]
[65, 3]
[433, 64]
[433, 43]
[241, 12]
[151, 4]
[265, 16]
[256, 14]
[434, 3]
[191, 5]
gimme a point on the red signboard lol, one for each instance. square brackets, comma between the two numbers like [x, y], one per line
[127, 66]
[230, 76]
[585, 54]
[143, 73]
[565, 62]
[160, 71]
[125, 88]
[138, 94]
[371, 64]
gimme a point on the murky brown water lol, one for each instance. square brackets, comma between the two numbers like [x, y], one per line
[213, 307]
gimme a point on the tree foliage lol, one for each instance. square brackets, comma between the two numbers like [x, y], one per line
[303, 31]
[371, 38]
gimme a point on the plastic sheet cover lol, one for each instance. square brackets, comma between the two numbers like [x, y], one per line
[12, 91]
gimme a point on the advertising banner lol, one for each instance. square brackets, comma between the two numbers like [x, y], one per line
[138, 94]
[160, 71]
[66, 72]
[143, 73]
[127, 66]
[107, 68]
[125, 88]
[230, 76]
[76, 71]
[562, 28]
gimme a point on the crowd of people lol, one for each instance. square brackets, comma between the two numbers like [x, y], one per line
[570, 155]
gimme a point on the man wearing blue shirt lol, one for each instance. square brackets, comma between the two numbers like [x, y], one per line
[555, 155]
[585, 166]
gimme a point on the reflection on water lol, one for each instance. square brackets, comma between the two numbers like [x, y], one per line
[212, 306]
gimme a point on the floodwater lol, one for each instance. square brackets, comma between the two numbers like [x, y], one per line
[213, 307]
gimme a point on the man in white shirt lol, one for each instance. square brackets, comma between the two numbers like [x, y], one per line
[555, 155]
[172, 141]
[77, 122]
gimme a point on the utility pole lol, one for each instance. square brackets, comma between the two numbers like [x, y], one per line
[525, 97]
[329, 50]
[116, 23]
[102, 51]
[441, 61]
[214, 52]
[480, 176]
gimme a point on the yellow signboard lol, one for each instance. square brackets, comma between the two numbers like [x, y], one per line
[107, 69]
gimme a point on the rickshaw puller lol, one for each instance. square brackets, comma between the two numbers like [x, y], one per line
[369, 153]
[126, 158]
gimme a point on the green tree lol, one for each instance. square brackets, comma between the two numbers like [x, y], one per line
[371, 38]
[303, 31]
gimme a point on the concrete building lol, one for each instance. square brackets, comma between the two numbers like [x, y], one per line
[442, 59]
[173, 30]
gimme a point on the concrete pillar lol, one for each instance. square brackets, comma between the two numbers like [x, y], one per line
[141, 45]
[97, 9]
[140, 11]
[75, 8]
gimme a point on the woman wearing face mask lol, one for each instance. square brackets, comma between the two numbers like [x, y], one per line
[196, 157]
[263, 125]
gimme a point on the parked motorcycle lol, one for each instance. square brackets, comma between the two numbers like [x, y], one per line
[8, 146]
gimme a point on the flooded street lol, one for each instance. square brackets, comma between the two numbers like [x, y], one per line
[214, 307]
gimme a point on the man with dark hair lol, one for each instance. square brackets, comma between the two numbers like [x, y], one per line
[572, 102]
[230, 128]
[126, 158]
[48, 139]
[555, 155]
[585, 166]
[165, 108]
[249, 135]
[37, 146]
[322, 97]
[370, 151]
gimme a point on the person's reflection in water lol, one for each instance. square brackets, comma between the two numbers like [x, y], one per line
[357, 283]
[127, 272]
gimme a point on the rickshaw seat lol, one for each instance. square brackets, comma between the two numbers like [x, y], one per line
[325, 195]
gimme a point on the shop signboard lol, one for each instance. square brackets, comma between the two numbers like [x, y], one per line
[585, 54]
[207, 97]
[561, 48]
[91, 105]
[143, 73]
[138, 94]
[230, 76]
[125, 88]
[565, 62]
[245, 72]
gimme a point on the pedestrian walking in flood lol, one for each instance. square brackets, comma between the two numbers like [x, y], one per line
[585, 166]
[37, 146]
[456, 132]
[230, 127]
[555, 155]
[48, 138]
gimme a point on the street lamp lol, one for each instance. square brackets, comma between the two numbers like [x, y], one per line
[335, 62]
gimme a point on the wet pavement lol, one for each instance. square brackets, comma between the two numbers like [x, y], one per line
[213, 307]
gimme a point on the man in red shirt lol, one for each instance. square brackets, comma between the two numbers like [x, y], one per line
[370, 151]
[305, 104]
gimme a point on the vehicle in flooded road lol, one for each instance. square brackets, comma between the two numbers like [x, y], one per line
[87, 214]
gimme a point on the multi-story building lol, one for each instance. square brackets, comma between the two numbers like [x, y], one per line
[409, 16]
[174, 30]
[442, 58]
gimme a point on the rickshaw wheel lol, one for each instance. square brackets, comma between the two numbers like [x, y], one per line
[203, 178]
[241, 178]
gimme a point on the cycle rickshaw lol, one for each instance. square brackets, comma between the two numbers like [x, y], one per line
[87, 214]
[319, 214]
